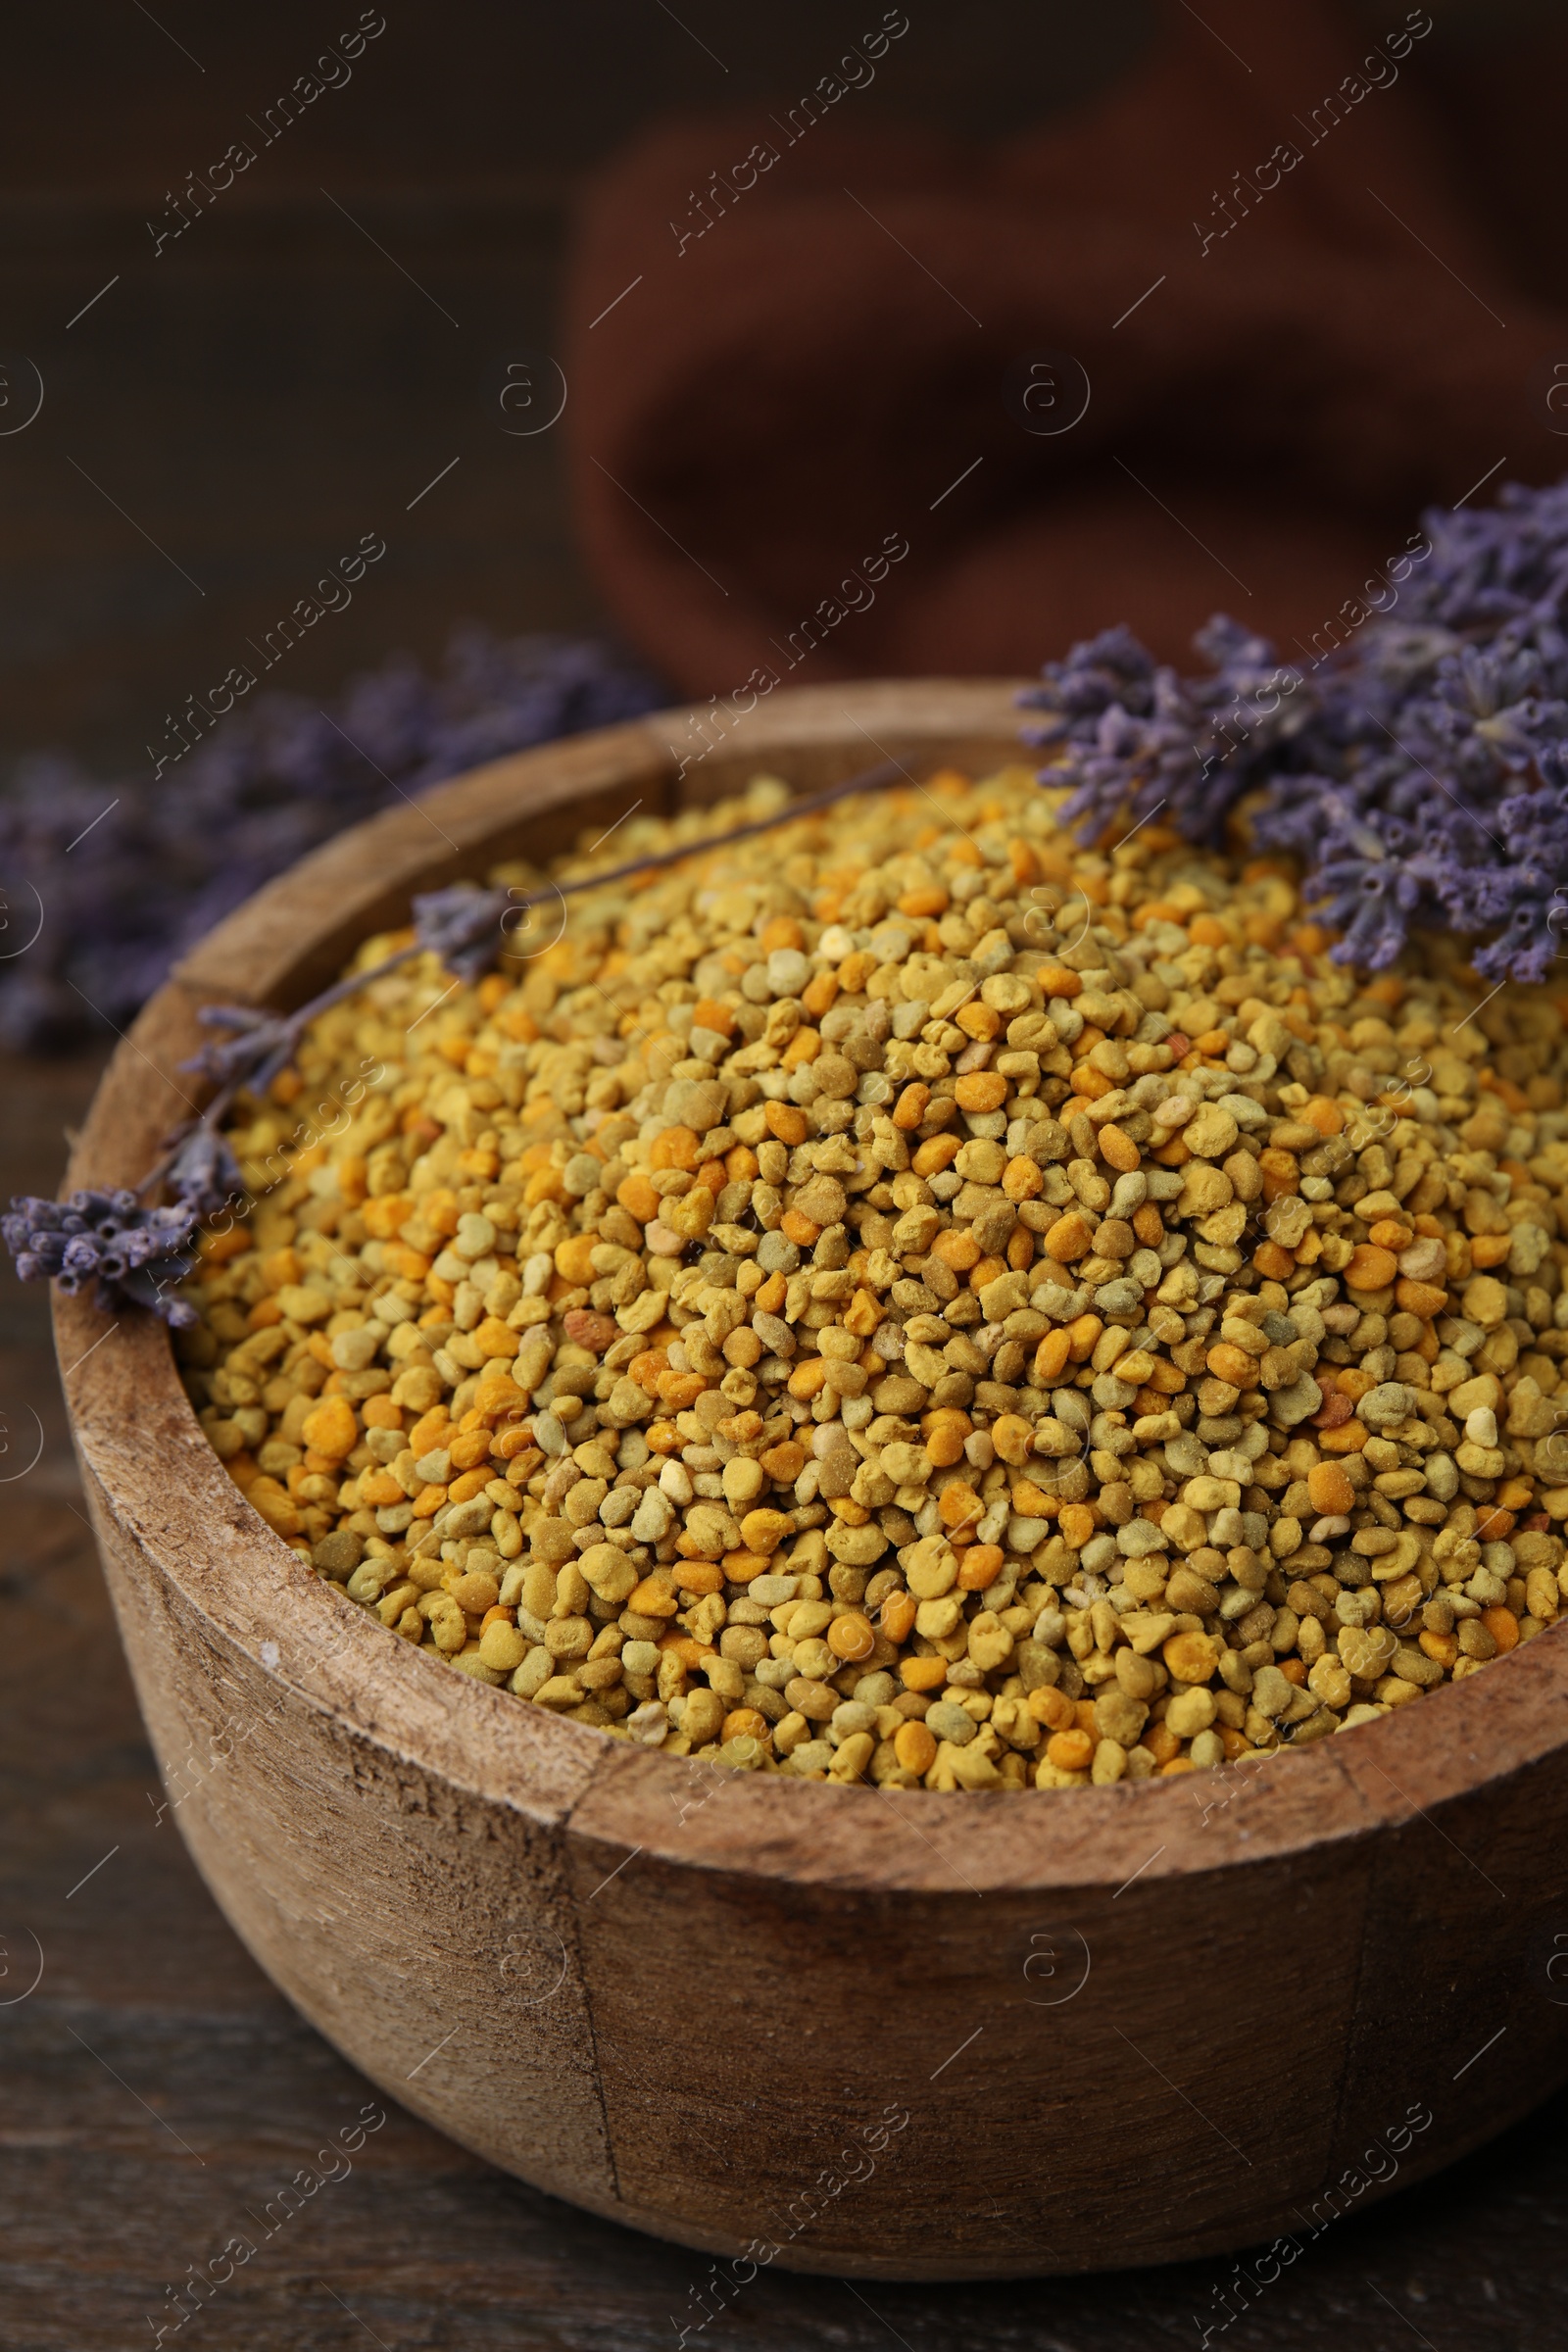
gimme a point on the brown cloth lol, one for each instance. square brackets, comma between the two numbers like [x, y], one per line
[798, 386]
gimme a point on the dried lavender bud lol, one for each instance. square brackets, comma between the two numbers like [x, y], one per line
[204, 1175]
[127, 1253]
[462, 925]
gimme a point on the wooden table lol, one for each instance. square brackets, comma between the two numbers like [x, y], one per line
[158, 2097]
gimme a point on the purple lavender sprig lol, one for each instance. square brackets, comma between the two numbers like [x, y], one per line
[138, 1255]
[132, 872]
[164, 864]
[204, 1175]
[462, 925]
[1416, 769]
[110, 1242]
[233, 1061]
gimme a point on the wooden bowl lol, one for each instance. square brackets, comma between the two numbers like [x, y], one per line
[893, 2034]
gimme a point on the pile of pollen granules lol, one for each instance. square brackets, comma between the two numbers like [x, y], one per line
[903, 1298]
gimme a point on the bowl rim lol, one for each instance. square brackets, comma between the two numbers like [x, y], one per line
[152, 1474]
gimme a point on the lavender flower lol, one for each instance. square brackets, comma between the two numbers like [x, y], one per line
[111, 1242]
[204, 1174]
[1417, 770]
[462, 925]
[169, 859]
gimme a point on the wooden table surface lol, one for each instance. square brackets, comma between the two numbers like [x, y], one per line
[157, 2096]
